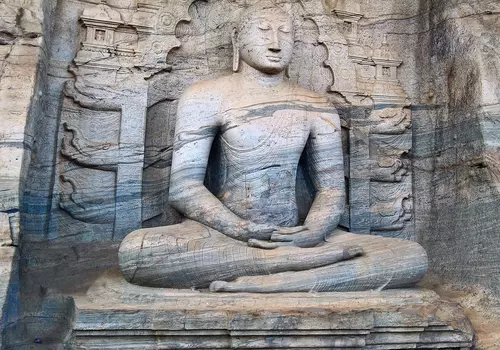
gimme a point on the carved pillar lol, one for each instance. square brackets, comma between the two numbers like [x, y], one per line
[104, 114]
[376, 111]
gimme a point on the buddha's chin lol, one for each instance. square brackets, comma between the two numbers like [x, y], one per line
[269, 64]
[272, 67]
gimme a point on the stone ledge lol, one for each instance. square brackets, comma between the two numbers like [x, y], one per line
[117, 315]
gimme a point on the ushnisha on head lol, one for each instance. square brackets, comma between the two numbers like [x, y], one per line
[264, 38]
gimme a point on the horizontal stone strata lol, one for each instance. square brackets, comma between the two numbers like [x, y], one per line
[113, 317]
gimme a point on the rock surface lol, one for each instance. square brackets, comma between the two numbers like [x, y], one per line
[457, 145]
[238, 144]
[430, 171]
[107, 94]
[23, 55]
[115, 314]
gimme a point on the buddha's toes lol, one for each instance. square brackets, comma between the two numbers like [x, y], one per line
[297, 259]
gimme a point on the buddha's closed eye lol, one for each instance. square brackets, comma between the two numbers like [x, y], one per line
[264, 26]
[285, 29]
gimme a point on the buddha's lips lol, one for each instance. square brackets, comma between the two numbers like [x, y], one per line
[274, 58]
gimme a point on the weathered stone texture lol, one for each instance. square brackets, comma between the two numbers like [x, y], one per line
[451, 74]
[456, 144]
[239, 141]
[435, 179]
[9, 289]
[95, 132]
[115, 314]
[23, 26]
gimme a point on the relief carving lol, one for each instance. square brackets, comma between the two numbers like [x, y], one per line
[94, 208]
[139, 37]
[384, 138]
[390, 169]
[101, 155]
[248, 219]
[84, 89]
[391, 214]
[123, 45]
[387, 152]
[386, 88]
[361, 72]
[390, 120]
[390, 176]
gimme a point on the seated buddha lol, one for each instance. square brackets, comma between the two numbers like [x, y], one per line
[242, 233]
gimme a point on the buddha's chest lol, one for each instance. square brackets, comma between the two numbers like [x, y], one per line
[269, 128]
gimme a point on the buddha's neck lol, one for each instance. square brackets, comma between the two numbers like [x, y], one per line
[263, 79]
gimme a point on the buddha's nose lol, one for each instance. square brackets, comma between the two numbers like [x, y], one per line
[274, 46]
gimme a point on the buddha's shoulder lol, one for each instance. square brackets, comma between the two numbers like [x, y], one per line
[210, 89]
[307, 96]
[319, 107]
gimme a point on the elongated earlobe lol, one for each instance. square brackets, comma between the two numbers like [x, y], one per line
[236, 60]
[236, 52]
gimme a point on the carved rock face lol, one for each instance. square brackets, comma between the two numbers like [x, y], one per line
[265, 40]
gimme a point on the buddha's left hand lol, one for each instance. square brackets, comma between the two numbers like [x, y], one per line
[305, 238]
[299, 236]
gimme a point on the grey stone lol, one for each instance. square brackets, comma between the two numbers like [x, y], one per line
[455, 151]
[249, 131]
[115, 314]
[446, 59]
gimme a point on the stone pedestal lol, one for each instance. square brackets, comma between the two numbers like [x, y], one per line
[118, 315]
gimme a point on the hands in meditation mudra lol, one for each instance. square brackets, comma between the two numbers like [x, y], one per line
[243, 235]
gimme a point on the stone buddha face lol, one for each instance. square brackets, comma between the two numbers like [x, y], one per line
[264, 39]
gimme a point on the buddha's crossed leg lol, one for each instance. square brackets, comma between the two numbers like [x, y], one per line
[192, 255]
[387, 263]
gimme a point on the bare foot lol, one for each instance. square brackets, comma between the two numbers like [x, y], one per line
[288, 281]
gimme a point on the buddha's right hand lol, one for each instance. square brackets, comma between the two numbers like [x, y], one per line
[267, 244]
[257, 231]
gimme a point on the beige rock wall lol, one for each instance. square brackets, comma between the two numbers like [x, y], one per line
[20, 53]
[456, 142]
[446, 53]
[22, 58]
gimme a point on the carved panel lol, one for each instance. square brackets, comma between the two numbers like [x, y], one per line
[379, 175]
[391, 209]
[123, 44]
[88, 195]
[89, 149]
[391, 204]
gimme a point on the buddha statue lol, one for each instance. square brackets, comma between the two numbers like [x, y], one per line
[242, 232]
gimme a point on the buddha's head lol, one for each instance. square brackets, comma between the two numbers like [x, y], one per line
[264, 38]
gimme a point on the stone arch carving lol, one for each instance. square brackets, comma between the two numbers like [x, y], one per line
[135, 88]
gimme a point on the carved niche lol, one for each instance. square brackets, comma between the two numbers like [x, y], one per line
[377, 118]
[119, 108]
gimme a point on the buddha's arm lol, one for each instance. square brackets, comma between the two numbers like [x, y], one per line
[326, 168]
[196, 127]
